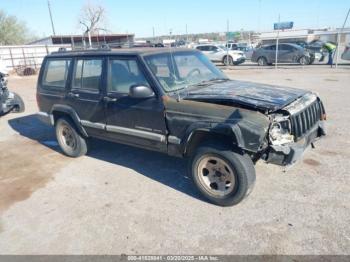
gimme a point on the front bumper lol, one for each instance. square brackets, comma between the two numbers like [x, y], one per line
[240, 60]
[289, 154]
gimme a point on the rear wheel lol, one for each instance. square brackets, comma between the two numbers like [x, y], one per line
[262, 61]
[70, 141]
[223, 177]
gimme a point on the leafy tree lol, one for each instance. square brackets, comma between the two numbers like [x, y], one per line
[12, 31]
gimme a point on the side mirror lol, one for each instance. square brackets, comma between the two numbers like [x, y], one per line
[140, 91]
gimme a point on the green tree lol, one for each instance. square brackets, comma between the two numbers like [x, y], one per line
[12, 31]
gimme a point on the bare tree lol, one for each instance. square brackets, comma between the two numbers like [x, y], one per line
[92, 16]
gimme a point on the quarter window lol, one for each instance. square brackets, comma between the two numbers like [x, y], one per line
[56, 73]
[87, 74]
[124, 73]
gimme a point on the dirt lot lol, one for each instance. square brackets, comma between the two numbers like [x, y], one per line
[124, 200]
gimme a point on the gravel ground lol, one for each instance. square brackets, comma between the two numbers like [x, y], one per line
[119, 199]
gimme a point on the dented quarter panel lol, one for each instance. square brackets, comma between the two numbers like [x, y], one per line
[247, 128]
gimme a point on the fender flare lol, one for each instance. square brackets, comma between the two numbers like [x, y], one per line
[73, 115]
[227, 129]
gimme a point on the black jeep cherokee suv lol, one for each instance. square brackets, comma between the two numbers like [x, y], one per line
[177, 102]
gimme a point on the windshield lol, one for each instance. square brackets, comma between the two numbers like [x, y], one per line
[179, 70]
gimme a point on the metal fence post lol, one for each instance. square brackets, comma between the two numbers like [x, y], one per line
[13, 64]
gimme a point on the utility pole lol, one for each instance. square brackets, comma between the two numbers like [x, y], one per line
[154, 35]
[278, 34]
[338, 39]
[227, 36]
[53, 27]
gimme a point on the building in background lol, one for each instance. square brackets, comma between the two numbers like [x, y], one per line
[306, 35]
[82, 41]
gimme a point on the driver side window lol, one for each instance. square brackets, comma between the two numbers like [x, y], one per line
[124, 73]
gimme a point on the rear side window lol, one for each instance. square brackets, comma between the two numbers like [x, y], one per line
[56, 73]
[87, 74]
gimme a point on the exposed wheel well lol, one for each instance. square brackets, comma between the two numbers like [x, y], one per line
[200, 137]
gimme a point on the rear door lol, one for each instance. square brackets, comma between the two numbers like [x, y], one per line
[214, 53]
[134, 121]
[86, 92]
[271, 53]
[285, 53]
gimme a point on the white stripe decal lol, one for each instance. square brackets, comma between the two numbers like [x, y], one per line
[135, 132]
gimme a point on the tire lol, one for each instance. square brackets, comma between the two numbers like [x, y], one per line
[230, 184]
[227, 60]
[71, 142]
[304, 60]
[262, 61]
[19, 108]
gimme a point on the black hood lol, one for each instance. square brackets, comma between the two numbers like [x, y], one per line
[248, 94]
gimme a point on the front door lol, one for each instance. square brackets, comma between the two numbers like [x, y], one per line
[135, 121]
[85, 94]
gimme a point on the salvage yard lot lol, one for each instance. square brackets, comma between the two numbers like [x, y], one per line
[119, 199]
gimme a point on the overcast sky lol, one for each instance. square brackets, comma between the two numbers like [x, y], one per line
[140, 17]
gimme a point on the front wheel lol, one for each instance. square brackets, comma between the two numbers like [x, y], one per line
[262, 61]
[304, 60]
[71, 142]
[223, 177]
[228, 60]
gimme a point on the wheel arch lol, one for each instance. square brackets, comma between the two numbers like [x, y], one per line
[58, 111]
[227, 134]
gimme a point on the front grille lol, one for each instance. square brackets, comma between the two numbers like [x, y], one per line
[306, 119]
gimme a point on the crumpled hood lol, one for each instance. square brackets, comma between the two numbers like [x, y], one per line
[252, 95]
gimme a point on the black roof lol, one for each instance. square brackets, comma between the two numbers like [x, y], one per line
[121, 51]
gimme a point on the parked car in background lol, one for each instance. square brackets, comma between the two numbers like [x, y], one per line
[248, 51]
[219, 53]
[287, 53]
[232, 46]
[346, 53]
[315, 47]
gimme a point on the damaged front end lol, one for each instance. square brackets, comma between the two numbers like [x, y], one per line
[9, 101]
[293, 129]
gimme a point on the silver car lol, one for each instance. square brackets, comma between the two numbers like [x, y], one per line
[287, 53]
[219, 53]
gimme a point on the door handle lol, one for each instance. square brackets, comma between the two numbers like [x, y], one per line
[108, 99]
[73, 95]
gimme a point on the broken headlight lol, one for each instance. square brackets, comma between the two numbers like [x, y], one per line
[280, 131]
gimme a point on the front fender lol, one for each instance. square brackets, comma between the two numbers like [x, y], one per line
[246, 135]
